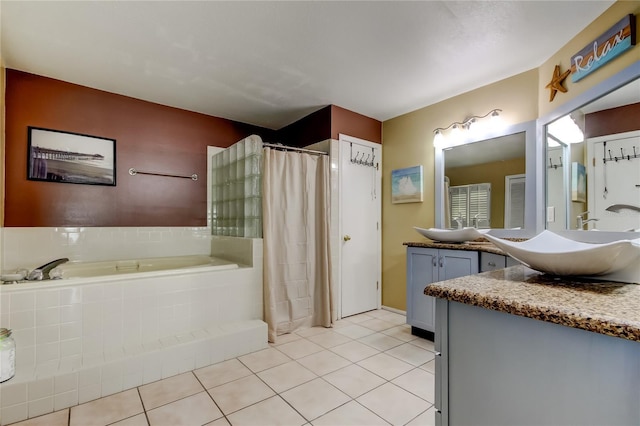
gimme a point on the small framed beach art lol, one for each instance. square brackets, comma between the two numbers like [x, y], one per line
[406, 185]
[65, 157]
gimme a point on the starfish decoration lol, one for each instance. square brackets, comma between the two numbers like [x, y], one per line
[556, 82]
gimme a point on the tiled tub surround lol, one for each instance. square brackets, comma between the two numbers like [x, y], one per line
[79, 342]
[31, 247]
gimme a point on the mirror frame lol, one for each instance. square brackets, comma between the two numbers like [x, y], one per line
[529, 129]
[627, 75]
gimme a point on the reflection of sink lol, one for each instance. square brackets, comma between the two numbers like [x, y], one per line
[450, 235]
[553, 254]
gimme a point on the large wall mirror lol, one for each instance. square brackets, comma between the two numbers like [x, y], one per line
[593, 159]
[488, 182]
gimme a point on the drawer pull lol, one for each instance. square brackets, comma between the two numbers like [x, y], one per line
[438, 354]
[492, 264]
[434, 261]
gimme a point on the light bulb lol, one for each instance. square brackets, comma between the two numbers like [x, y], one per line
[456, 135]
[438, 140]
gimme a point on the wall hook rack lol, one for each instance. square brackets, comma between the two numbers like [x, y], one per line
[134, 172]
[627, 157]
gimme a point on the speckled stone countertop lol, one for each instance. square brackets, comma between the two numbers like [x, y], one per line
[602, 307]
[477, 245]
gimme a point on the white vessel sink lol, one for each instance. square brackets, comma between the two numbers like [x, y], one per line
[450, 235]
[550, 253]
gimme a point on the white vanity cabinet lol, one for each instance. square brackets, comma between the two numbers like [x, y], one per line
[426, 266]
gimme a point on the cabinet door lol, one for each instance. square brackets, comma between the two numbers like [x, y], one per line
[422, 270]
[491, 261]
[456, 263]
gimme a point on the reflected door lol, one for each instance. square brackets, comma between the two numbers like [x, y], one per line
[614, 182]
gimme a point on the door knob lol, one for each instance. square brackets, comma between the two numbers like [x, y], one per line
[346, 238]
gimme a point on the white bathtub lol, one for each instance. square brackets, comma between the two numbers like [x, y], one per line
[112, 326]
[117, 267]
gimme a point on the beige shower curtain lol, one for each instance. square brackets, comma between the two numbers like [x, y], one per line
[297, 257]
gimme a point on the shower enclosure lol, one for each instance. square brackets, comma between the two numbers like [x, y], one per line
[236, 206]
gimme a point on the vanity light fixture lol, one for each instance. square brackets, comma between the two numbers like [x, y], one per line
[459, 129]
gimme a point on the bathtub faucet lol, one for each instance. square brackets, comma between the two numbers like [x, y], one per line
[42, 272]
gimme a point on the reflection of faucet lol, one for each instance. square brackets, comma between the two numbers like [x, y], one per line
[458, 221]
[580, 220]
[42, 272]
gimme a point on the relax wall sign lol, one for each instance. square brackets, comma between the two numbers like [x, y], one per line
[612, 43]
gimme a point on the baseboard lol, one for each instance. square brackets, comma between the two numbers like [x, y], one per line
[394, 310]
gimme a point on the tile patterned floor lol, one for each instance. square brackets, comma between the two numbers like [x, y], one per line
[367, 370]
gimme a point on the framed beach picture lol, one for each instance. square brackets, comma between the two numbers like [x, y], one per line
[57, 156]
[406, 185]
[578, 183]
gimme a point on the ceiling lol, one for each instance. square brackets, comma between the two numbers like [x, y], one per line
[271, 63]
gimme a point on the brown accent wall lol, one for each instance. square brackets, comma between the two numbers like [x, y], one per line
[611, 121]
[313, 128]
[354, 124]
[148, 137]
[328, 123]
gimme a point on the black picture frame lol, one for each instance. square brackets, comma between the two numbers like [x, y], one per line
[67, 157]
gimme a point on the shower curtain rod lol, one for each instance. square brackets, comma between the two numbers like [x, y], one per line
[291, 148]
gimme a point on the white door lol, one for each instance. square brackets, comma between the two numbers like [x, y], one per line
[359, 225]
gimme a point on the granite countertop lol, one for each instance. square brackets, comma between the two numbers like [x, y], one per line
[608, 308]
[477, 245]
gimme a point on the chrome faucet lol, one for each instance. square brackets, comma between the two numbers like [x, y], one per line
[42, 272]
[458, 220]
[581, 220]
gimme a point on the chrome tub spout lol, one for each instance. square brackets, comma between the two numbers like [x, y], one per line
[42, 272]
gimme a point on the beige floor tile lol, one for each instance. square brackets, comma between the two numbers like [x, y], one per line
[428, 418]
[299, 348]
[240, 393]
[380, 341]
[424, 344]
[314, 398]
[393, 318]
[354, 380]
[393, 404]
[341, 323]
[350, 414]
[324, 362]
[376, 313]
[385, 366]
[194, 410]
[412, 354]
[107, 410]
[354, 351]
[400, 332]
[311, 331]
[139, 420]
[273, 411]
[286, 338]
[358, 318]
[419, 382]
[168, 390]
[220, 422]
[286, 376]
[221, 373]
[329, 339]
[355, 331]
[376, 324]
[429, 366]
[59, 418]
[266, 358]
